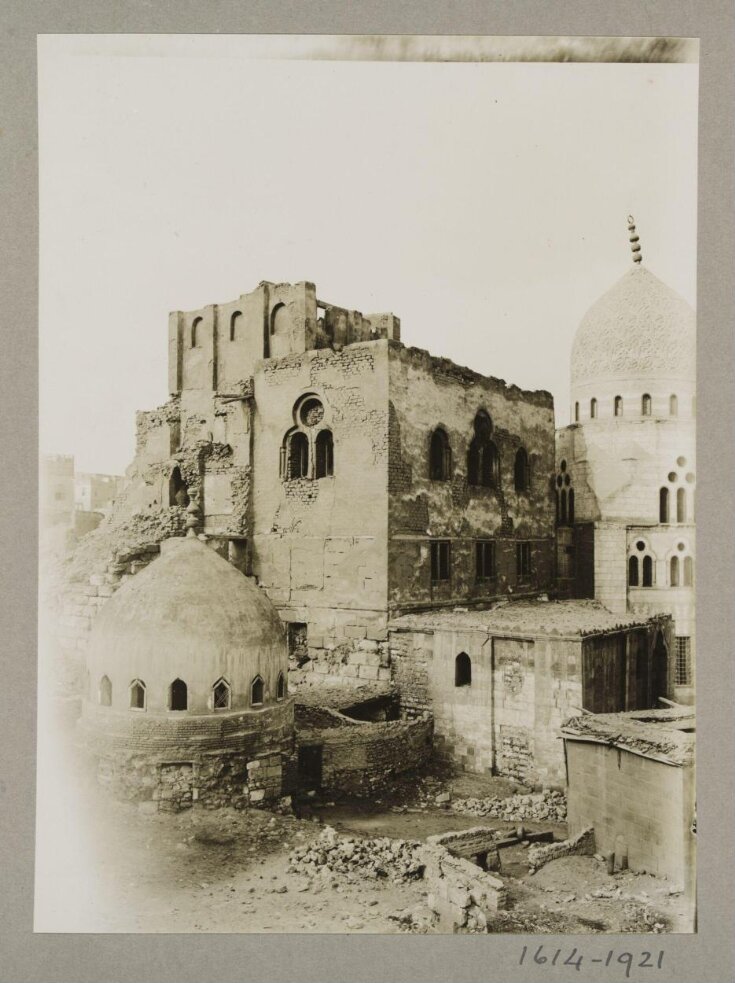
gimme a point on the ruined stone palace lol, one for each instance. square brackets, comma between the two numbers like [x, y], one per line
[392, 523]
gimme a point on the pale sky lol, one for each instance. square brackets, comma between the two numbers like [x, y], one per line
[483, 203]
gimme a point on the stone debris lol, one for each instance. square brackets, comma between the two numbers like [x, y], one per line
[331, 855]
[549, 805]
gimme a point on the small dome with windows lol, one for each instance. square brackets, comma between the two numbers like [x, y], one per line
[187, 633]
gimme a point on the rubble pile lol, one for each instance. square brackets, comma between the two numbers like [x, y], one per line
[550, 805]
[381, 857]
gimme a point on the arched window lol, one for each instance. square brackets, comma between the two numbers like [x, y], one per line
[674, 574]
[633, 571]
[194, 331]
[482, 458]
[178, 695]
[178, 493]
[221, 695]
[673, 406]
[440, 457]
[324, 464]
[646, 405]
[298, 455]
[681, 505]
[647, 571]
[279, 318]
[663, 505]
[234, 321]
[618, 406]
[558, 509]
[576, 412]
[105, 692]
[593, 409]
[281, 686]
[137, 695]
[521, 471]
[463, 670]
[256, 691]
[688, 571]
[563, 513]
[571, 506]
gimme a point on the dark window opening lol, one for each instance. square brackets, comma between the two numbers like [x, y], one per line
[571, 506]
[663, 505]
[194, 331]
[618, 406]
[563, 512]
[683, 676]
[105, 692]
[439, 456]
[463, 670]
[256, 691]
[178, 695]
[178, 492]
[485, 559]
[647, 571]
[324, 447]
[593, 409]
[298, 456]
[522, 471]
[576, 412]
[673, 405]
[482, 465]
[221, 695]
[234, 321]
[681, 505]
[674, 577]
[633, 571]
[281, 686]
[646, 405]
[440, 560]
[523, 559]
[137, 695]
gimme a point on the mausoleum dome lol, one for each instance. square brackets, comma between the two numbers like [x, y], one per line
[188, 618]
[640, 329]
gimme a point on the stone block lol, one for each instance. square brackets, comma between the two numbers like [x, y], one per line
[367, 645]
[378, 634]
[355, 631]
[350, 670]
[368, 672]
[384, 675]
[257, 795]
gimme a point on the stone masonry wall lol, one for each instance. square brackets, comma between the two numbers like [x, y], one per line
[460, 893]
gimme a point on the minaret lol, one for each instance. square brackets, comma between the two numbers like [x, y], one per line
[635, 243]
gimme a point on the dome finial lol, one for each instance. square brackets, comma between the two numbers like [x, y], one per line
[635, 243]
[193, 518]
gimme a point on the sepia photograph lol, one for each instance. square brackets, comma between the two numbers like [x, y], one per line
[367, 552]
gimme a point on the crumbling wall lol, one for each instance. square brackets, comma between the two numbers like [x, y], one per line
[460, 893]
[581, 845]
[426, 393]
[477, 844]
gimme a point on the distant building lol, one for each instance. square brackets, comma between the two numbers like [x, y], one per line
[57, 490]
[96, 492]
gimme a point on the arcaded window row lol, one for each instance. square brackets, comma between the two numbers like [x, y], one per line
[645, 407]
[483, 459]
[178, 693]
[642, 567]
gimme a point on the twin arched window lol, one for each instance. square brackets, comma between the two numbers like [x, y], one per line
[308, 452]
[664, 511]
[440, 456]
[641, 568]
[681, 571]
[482, 458]
[463, 670]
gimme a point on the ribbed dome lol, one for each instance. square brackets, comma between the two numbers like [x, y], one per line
[640, 328]
[189, 615]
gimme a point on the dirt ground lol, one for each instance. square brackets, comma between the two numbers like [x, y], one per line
[121, 868]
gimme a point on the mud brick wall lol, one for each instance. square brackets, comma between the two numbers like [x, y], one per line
[428, 392]
[581, 845]
[411, 654]
[620, 794]
[460, 893]
[365, 758]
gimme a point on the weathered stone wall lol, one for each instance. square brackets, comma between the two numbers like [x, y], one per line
[426, 393]
[581, 845]
[460, 893]
[620, 794]
[365, 757]
[477, 844]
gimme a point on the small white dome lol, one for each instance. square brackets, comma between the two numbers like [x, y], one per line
[639, 329]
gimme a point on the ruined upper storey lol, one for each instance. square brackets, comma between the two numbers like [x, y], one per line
[217, 347]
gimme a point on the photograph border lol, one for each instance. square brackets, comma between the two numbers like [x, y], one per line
[706, 956]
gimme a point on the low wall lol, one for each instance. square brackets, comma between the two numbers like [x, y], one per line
[581, 845]
[477, 844]
[364, 757]
[460, 893]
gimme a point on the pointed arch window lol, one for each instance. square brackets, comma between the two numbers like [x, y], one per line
[195, 331]
[482, 458]
[618, 406]
[681, 505]
[593, 409]
[137, 695]
[463, 670]
[647, 571]
[324, 454]
[440, 456]
[633, 571]
[235, 321]
[522, 471]
[673, 405]
[281, 686]
[221, 695]
[663, 505]
[257, 690]
[105, 696]
[646, 405]
[178, 695]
